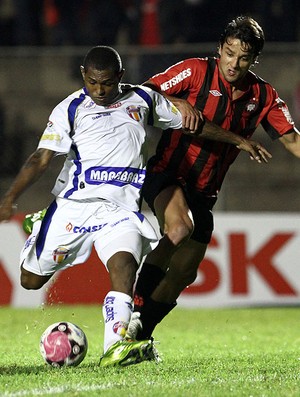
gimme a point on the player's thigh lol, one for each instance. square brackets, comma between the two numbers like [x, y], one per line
[171, 208]
[128, 232]
[57, 244]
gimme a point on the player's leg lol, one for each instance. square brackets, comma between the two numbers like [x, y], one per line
[181, 273]
[122, 268]
[182, 267]
[120, 249]
[30, 280]
[176, 222]
[118, 303]
[117, 310]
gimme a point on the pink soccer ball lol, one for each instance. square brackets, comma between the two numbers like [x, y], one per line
[63, 344]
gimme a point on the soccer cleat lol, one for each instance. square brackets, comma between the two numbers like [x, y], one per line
[135, 325]
[126, 352]
[156, 355]
[30, 219]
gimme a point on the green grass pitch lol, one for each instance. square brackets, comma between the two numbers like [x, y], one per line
[206, 353]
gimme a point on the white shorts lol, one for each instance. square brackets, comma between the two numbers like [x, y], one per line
[71, 228]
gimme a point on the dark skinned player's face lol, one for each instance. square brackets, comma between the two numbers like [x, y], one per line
[102, 85]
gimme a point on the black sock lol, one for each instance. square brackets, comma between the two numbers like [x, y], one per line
[151, 314]
[149, 278]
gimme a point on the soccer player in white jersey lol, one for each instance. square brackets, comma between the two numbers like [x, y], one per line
[101, 130]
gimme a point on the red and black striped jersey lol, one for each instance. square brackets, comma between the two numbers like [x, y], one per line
[203, 163]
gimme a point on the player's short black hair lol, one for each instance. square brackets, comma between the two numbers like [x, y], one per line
[103, 58]
[248, 31]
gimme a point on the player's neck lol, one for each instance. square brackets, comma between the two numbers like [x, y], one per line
[239, 88]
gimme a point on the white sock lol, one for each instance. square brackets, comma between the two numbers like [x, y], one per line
[117, 309]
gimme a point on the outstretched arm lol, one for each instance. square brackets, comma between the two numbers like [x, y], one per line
[214, 132]
[207, 129]
[33, 168]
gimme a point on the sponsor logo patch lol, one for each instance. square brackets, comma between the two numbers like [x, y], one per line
[84, 229]
[184, 74]
[109, 310]
[102, 114]
[283, 107]
[115, 176]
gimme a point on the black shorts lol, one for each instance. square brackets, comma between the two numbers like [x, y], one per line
[200, 205]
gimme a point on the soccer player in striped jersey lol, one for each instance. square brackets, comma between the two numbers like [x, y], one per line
[185, 175]
[101, 130]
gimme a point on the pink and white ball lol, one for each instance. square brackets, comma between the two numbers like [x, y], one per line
[63, 344]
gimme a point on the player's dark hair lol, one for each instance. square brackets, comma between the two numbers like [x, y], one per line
[248, 31]
[103, 58]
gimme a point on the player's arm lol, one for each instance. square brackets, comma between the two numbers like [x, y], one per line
[291, 142]
[33, 168]
[191, 116]
[209, 130]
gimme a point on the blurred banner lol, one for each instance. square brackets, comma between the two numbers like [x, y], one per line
[253, 259]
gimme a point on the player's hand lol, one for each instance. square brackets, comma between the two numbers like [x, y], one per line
[191, 117]
[7, 210]
[256, 150]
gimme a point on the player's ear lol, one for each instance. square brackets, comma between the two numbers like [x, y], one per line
[82, 71]
[121, 74]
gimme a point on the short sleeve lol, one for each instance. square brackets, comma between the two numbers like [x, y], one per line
[56, 136]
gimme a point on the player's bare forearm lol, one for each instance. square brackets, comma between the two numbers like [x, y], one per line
[212, 131]
[32, 169]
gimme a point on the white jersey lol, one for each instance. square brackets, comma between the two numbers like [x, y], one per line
[106, 146]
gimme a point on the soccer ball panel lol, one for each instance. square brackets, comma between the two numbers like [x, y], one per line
[63, 344]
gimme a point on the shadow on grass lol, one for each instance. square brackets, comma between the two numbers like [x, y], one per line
[12, 370]
[22, 369]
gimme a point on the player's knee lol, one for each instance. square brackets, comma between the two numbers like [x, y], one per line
[32, 281]
[180, 232]
[28, 284]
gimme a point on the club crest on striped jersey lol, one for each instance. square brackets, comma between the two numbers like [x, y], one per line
[251, 106]
[134, 112]
[60, 254]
